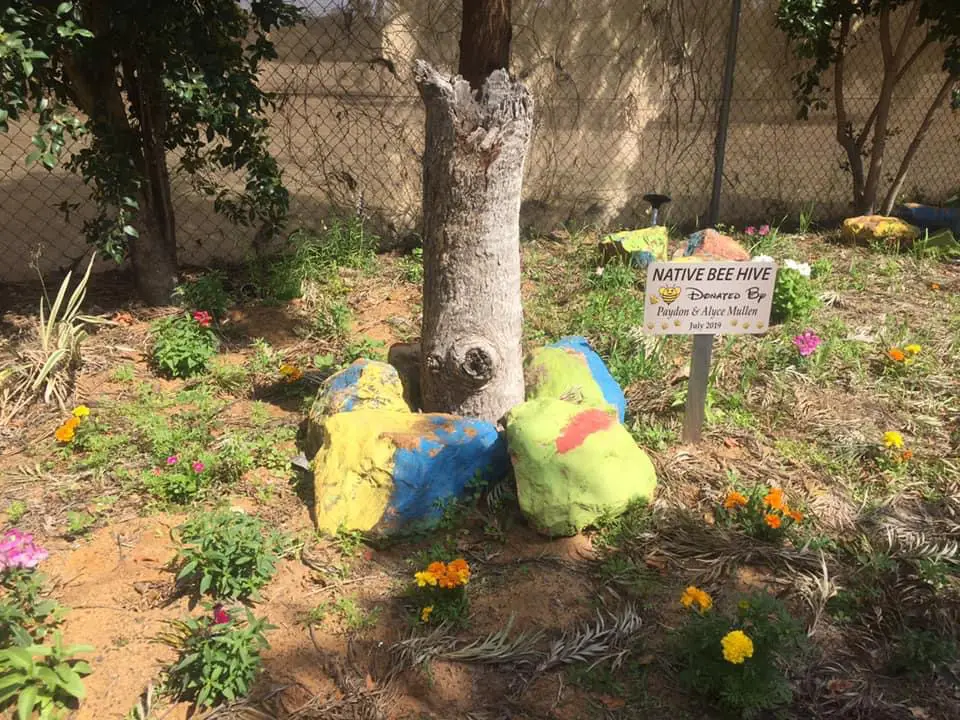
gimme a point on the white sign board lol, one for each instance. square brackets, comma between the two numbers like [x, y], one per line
[708, 298]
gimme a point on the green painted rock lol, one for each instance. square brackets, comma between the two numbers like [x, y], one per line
[639, 247]
[365, 384]
[879, 228]
[574, 465]
[570, 370]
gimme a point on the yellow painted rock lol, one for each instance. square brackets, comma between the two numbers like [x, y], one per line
[879, 228]
[364, 384]
[384, 470]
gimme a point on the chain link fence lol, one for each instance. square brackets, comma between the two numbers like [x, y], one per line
[627, 94]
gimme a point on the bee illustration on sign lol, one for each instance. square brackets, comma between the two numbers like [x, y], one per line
[669, 294]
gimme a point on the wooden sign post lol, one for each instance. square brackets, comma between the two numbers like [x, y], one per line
[705, 299]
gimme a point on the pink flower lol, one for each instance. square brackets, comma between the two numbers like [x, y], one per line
[203, 317]
[198, 466]
[220, 616]
[172, 460]
[807, 343]
[750, 230]
[17, 550]
[764, 230]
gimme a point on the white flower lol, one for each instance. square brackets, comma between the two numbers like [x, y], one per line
[761, 258]
[598, 272]
[802, 268]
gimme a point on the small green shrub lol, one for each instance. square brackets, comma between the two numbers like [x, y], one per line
[219, 657]
[737, 662]
[794, 296]
[26, 614]
[183, 345]
[917, 653]
[207, 291]
[79, 523]
[440, 592]
[413, 266]
[15, 511]
[228, 554]
[42, 679]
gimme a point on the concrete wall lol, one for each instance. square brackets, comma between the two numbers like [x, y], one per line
[627, 94]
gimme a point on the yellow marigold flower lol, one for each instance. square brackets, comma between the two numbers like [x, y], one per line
[291, 372]
[734, 500]
[896, 354]
[425, 578]
[695, 596]
[774, 499]
[772, 521]
[425, 613]
[737, 647]
[81, 411]
[913, 349]
[892, 439]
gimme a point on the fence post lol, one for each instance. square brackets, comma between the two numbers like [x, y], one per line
[723, 120]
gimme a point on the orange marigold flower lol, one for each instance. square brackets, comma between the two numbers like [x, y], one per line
[772, 520]
[774, 499]
[906, 455]
[896, 354]
[795, 515]
[695, 596]
[734, 500]
[65, 432]
[437, 568]
[461, 569]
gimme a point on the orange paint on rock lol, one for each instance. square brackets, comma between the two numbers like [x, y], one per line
[580, 427]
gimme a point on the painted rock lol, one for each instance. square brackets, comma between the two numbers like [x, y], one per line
[405, 357]
[929, 217]
[878, 228]
[570, 370]
[364, 384]
[713, 245]
[574, 465]
[385, 471]
[640, 247]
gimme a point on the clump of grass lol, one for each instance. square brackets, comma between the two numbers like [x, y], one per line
[44, 366]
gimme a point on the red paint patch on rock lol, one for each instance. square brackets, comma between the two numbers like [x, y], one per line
[581, 427]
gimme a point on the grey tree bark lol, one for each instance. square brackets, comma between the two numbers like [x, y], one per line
[474, 154]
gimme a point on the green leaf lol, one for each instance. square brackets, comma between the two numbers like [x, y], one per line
[131, 231]
[205, 583]
[64, 7]
[70, 681]
[33, 157]
[48, 676]
[28, 698]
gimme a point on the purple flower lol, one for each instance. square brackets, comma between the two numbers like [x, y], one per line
[750, 230]
[807, 343]
[764, 230]
[220, 616]
[17, 550]
[198, 466]
[172, 460]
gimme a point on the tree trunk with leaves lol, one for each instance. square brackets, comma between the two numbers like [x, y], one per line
[476, 146]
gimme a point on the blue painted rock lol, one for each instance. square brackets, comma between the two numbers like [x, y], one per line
[574, 465]
[365, 384]
[570, 370]
[930, 218]
[383, 471]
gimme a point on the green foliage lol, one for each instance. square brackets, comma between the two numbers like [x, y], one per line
[79, 523]
[918, 653]
[228, 554]
[179, 480]
[191, 69]
[413, 266]
[348, 611]
[217, 662]
[206, 292]
[15, 511]
[182, 347]
[794, 296]
[758, 684]
[26, 614]
[42, 679]
[760, 512]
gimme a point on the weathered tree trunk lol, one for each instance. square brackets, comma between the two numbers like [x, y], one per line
[485, 35]
[472, 176]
